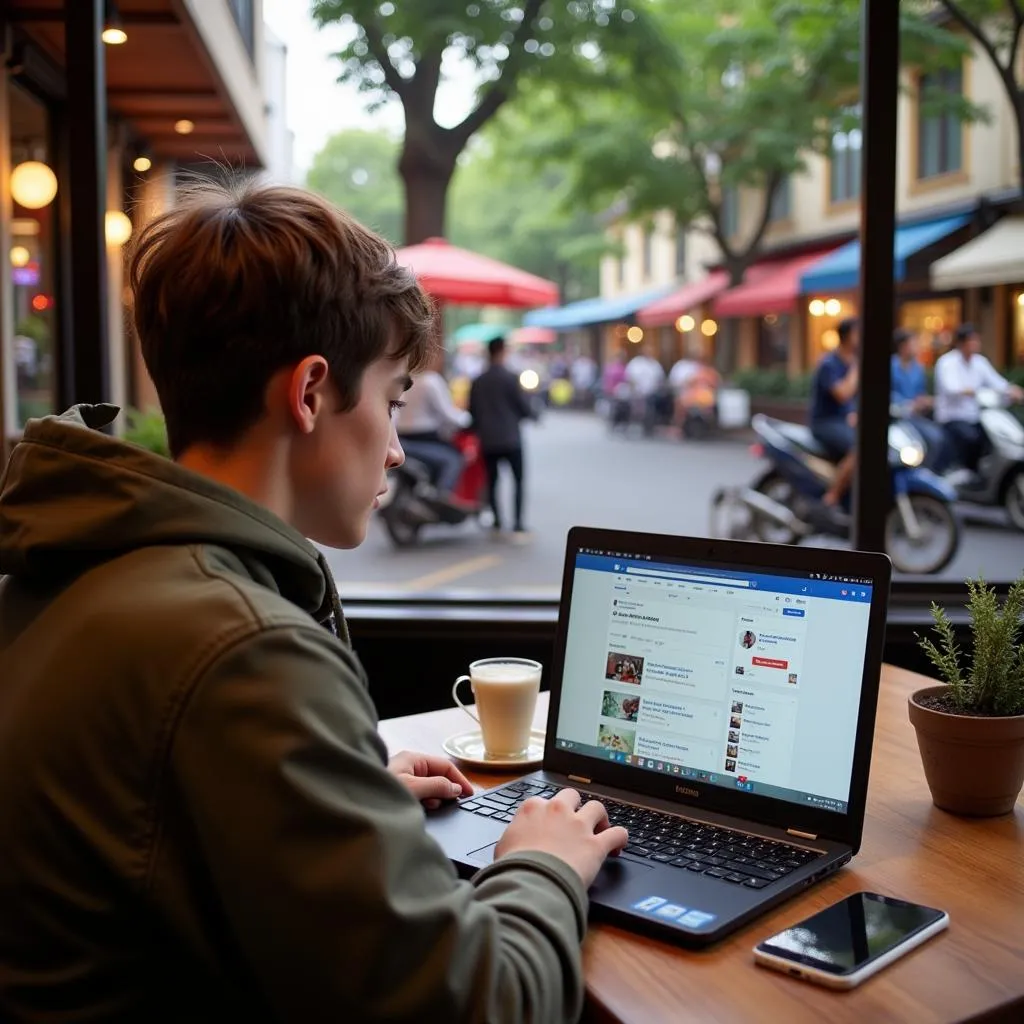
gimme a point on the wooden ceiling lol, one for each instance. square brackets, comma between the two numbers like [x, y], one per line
[161, 75]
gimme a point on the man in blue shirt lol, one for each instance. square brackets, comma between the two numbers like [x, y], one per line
[910, 394]
[834, 409]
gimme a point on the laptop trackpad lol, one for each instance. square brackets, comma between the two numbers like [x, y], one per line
[611, 873]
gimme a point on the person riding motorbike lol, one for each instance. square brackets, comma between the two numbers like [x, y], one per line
[426, 423]
[834, 409]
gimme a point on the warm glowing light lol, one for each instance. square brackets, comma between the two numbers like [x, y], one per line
[142, 164]
[709, 328]
[830, 340]
[40, 302]
[635, 335]
[114, 36]
[33, 185]
[833, 307]
[530, 380]
[184, 126]
[816, 308]
[118, 227]
[1020, 299]
[685, 324]
[25, 226]
[20, 256]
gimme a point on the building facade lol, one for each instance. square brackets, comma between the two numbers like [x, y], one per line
[148, 87]
[954, 182]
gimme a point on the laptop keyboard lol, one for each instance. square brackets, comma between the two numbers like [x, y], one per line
[723, 853]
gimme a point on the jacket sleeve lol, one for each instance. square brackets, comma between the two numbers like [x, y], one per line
[342, 906]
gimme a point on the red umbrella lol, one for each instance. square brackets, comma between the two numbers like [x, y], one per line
[451, 274]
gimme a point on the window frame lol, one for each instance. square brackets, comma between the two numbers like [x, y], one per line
[852, 167]
[945, 176]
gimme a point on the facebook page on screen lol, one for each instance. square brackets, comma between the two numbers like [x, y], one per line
[739, 679]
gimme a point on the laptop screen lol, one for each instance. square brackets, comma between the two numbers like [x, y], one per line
[749, 680]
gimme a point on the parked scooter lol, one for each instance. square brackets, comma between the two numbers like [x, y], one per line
[784, 505]
[999, 480]
[412, 500]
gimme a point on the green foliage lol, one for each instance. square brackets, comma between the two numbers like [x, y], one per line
[146, 428]
[752, 87]
[356, 169]
[772, 383]
[36, 328]
[993, 683]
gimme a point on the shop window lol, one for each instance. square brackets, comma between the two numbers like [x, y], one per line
[939, 136]
[782, 201]
[773, 342]
[934, 321]
[31, 261]
[845, 169]
[730, 212]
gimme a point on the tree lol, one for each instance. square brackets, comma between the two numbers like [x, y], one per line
[997, 25]
[356, 170]
[499, 207]
[758, 88]
[399, 51]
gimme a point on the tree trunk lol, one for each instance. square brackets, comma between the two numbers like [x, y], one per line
[426, 167]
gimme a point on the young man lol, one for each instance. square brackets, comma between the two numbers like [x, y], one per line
[199, 820]
[959, 375]
[833, 408]
[498, 406]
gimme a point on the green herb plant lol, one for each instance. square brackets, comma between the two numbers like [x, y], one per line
[993, 682]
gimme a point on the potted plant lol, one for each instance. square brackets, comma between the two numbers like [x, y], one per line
[970, 730]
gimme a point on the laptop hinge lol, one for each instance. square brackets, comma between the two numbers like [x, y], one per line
[801, 835]
[579, 778]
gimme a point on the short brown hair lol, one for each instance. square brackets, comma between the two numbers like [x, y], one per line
[242, 279]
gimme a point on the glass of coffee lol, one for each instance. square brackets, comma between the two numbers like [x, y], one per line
[505, 691]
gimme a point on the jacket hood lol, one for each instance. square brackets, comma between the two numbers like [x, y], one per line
[73, 497]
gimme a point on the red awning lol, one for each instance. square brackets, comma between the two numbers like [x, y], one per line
[455, 275]
[666, 311]
[775, 288]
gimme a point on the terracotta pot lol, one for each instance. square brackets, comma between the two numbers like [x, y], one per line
[974, 765]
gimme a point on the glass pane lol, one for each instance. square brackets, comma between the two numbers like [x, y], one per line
[954, 145]
[930, 158]
[31, 261]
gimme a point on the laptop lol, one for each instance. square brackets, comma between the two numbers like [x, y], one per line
[719, 697]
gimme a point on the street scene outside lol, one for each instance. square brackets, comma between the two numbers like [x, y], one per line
[681, 188]
[579, 474]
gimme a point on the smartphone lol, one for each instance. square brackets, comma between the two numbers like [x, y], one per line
[851, 940]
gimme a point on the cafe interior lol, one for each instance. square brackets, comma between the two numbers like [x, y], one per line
[969, 865]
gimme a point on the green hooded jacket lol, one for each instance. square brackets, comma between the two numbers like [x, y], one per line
[196, 821]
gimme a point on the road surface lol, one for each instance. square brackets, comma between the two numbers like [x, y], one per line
[578, 474]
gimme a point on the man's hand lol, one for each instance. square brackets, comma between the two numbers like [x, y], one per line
[580, 836]
[851, 418]
[1016, 393]
[430, 779]
[922, 403]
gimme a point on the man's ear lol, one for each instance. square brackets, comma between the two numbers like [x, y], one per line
[308, 392]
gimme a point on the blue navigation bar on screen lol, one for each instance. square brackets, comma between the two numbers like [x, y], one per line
[752, 582]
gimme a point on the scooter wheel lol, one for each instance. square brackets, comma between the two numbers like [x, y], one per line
[773, 485]
[1013, 500]
[403, 534]
[938, 543]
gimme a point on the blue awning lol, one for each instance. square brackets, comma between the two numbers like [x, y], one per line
[840, 270]
[594, 311]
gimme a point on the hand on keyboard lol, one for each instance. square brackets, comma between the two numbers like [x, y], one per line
[579, 835]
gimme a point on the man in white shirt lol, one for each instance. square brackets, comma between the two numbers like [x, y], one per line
[645, 375]
[959, 375]
[426, 423]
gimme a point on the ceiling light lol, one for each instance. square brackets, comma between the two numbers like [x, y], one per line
[113, 28]
[142, 164]
[20, 256]
[635, 335]
[118, 228]
[184, 126]
[685, 324]
[709, 328]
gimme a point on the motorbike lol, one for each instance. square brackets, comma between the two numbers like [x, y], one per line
[412, 501]
[784, 505]
[999, 480]
[658, 410]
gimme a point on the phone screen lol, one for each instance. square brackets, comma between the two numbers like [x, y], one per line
[844, 937]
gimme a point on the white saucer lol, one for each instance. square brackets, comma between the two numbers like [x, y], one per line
[468, 747]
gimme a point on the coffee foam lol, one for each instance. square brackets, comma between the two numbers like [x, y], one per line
[504, 673]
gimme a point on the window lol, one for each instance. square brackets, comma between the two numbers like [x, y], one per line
[939, 135]
[730, 210]
[681, 251]
[245, 18]
[648, 252]
[844, 183]
[32, 260]
[782, 202]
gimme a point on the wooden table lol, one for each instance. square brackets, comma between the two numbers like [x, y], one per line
[974, 869]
